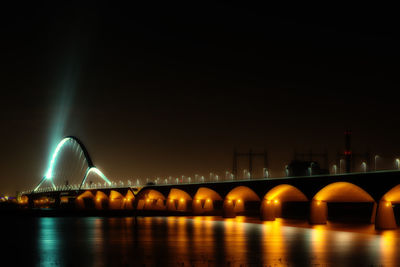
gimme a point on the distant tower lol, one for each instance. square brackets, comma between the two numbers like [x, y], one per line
[347, 150]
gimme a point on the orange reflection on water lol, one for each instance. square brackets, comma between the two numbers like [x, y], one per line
[388, 248]
[235, 241]
[178, 239]
[273, 243]
[203, 250]
[318, 245]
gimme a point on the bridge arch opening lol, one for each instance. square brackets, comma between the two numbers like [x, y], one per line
[386, 218]
[271, 205]
[85, 200]
[238, 199]
[129, 200]
[101, 200]
[44, 202]
[150, 199]
[178, 200]
[117, 200]
[205, 200]
[344, 198]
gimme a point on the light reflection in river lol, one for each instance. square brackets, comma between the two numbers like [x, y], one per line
[196, 241]
[49, 242]
[274, 249]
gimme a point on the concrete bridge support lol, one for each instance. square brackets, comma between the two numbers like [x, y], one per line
[267, 210]
[208, 205]
[277, 209]
[130, 198]
[182, 205]
[238, 205]
[140, 204]
[197, 207]
[228, 209]
[171, 204]
[385, 217]
[318, 212]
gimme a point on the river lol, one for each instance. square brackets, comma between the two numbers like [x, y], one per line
[192, 241]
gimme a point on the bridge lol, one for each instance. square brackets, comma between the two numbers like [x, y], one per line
[375, 193]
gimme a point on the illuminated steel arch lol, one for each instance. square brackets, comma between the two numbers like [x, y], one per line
[91, 167]
[98, 172]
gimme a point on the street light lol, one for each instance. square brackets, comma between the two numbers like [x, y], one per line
[266, 173]
[397, 163]
[364, 166]
[334, 168]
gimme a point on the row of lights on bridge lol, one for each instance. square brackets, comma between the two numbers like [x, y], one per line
[198, 179]
[364, 165]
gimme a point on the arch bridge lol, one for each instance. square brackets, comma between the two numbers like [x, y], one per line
[373, 196]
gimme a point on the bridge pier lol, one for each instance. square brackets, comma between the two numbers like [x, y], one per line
[318, 212]
[197, 207]
[140, 204]
[182, 205]
[130, 200]
[171, 205]
[228, 209]
[385, 217]
[238, 205]
[267, 210]
[208, 205]
[373, 215]
[277, 209]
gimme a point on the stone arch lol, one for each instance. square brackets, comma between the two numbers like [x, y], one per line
[150, 199]
[116, 200]
[235, 200]
[337, 192]
[271, 205]
[178, 200]
[203, 200]
[85, 200]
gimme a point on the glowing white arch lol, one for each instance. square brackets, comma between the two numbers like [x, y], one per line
[49, 173]
[98, 172]
[91, 167]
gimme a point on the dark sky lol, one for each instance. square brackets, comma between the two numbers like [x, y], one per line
[159, 90]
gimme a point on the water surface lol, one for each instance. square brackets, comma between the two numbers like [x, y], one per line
[193, 241]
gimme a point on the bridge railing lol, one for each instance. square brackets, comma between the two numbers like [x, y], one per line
[179, 181]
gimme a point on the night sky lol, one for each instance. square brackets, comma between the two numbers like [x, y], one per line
[159, 90]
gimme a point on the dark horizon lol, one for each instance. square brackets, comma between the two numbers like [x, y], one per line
[173, 89]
